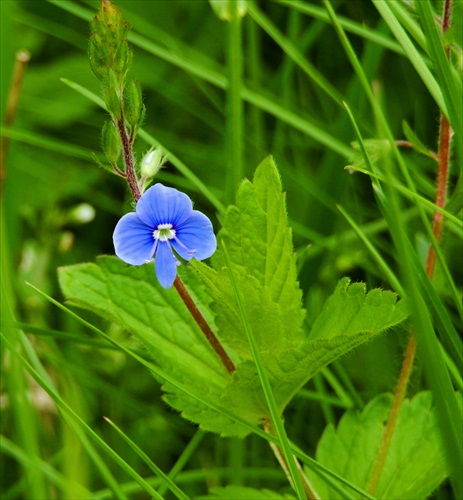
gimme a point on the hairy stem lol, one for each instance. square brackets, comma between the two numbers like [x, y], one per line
[399, 396]
[445, 139]
[202, 323]
[128, 160]
[443, 162]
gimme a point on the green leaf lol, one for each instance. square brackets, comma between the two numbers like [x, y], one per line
[351, 311]
[256, 235]
[415, 464]
[131, 297]
[243, 493]
[350, 318]
[273, 329]
[259, 241]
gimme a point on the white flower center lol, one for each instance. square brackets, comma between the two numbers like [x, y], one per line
[164, 232]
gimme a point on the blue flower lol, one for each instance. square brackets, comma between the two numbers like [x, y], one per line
[164, 221]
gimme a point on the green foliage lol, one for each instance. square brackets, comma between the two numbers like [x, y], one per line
[415, 464]
[220, 96]
[132, 298]
[259, 241]
[242, 493]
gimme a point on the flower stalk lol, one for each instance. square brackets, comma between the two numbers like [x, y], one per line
[202, 323]
[443, 162]
[129, 172]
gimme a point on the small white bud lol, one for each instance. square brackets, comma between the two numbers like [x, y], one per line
[152, 162]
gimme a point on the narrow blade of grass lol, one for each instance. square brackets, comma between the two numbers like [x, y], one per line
[266, 387]
[171, 485]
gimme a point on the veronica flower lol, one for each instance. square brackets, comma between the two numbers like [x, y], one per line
[164, 222]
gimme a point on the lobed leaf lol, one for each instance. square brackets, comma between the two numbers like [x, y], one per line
[415, 464]
[131, 297]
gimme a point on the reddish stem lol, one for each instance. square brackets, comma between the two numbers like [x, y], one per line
[399, 396]
[128, 160]
[202, 323]
[443, 159]
[445, 138]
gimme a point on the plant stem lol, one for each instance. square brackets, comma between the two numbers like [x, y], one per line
[399, 396]
[445, 139]
[22, 58]
[202, 323]
[443, 162]
[309, 490]
[128, 160]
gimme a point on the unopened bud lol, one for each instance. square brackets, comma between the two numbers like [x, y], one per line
[111, 95]
[108, 45]
[133, 103]
[98, 63]
[122, 59]
[109, 16]
[111, 142]
[152, 162]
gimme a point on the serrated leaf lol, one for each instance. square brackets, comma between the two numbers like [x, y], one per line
[350, 318]
[131, 297]
[243, 493]
[258, 239]
[415, 464]
[350, 310]
[268, 321]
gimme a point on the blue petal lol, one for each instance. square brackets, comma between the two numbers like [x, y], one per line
[165, 264]
[195, 233]
[163, 205]
[133, 240]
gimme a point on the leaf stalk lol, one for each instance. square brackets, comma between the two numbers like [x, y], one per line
[202, 323]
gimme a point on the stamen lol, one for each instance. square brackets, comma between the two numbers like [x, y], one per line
[164, 232]
[183, 246]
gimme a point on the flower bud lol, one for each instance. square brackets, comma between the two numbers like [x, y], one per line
[133, 103]
[111, 142]
[122, 59]
[98, 62]
[111, 95]
[108, 48]
[152, 162]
